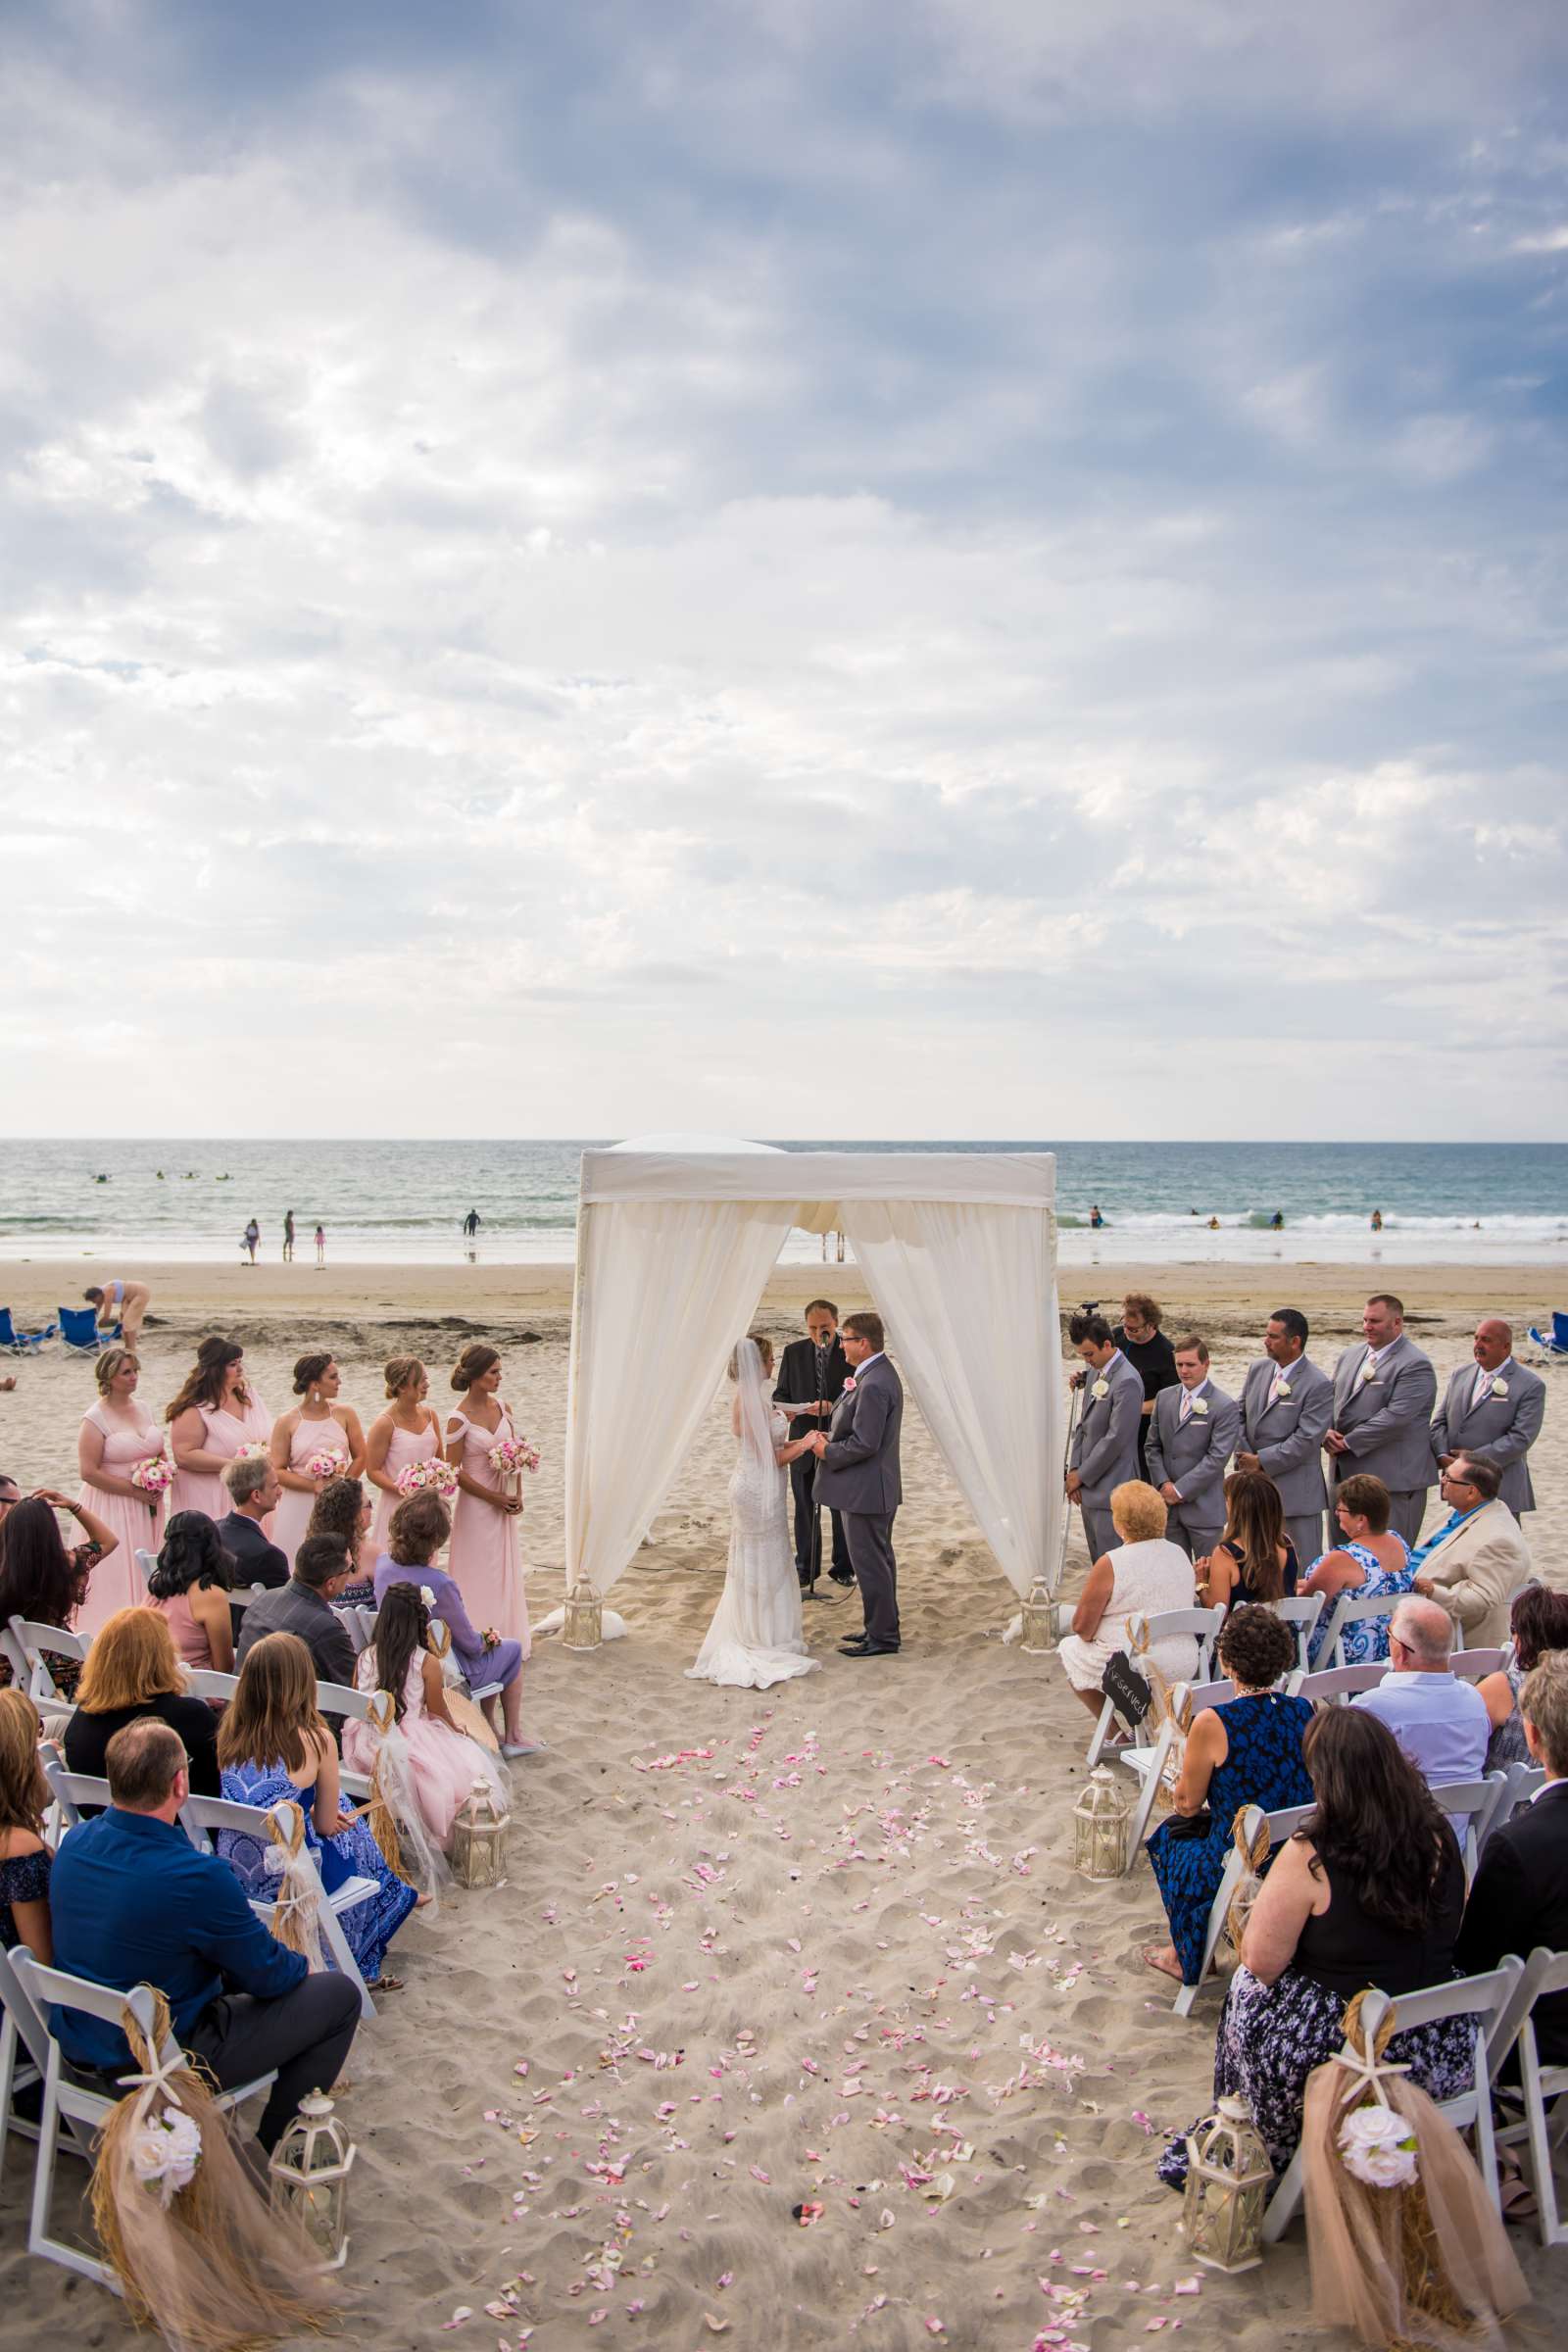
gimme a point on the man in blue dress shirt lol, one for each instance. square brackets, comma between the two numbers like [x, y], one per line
[132, 1902]
[1440, 1723]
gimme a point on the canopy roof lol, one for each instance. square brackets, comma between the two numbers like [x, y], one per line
[812, 1182]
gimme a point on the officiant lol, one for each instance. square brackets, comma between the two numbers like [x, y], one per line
[811, 1381]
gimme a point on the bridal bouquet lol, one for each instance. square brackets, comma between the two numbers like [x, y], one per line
[255, 1449]
[155, 1476]
[435, 1476]
[512, 1455]
[324, 1465]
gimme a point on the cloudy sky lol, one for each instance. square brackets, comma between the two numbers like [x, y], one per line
[973, 567]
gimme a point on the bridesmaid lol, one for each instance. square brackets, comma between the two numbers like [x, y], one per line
[116, 1433]
[486, 1559]
[409, 1430]
[321, 1425]
[214, 1414]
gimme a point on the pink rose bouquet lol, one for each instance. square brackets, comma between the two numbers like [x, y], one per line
[155, 1476]
[435, 1476]
[325, 1465]
[512, 1455]
[255, 1449]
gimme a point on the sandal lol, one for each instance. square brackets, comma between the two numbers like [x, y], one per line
[389, 1985]
[1153, 1956]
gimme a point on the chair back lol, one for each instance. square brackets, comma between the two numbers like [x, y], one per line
[1300, 1611]
[1165, 1625]
[55, 1987]
[1521, 1782]
[32, 1638]
[1475, 1803]
[1560, 1327]
[1341, 1682]
[205, 1682]
[72, 1791]
[201, 1816]
[1352, 1608]
[1471, 1664]
[78, 1328]
[146, 1561]
[1489, 1999]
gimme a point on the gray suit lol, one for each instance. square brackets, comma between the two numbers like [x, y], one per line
[1193, 1454]
[858, 1477]
[1387, 1422]
[1286, 1437]
[1104, 1447]
[1501, 1429]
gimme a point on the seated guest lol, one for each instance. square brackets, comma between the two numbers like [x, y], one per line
[1440, 1723]
[1370, 1890]
[1255, 1558]
[132, 1670]
[1246, 1751]
[1538, 1623]
[1370, 1562]
[135, 1903]
[272, 1743]
[1478, 1559]
[304, 1606]
[253, 1491]
[444, 1762]
[420, 1524]
[1191, 1438]
[1143, 1575]
[44, 1582]
[342, 1510]
[24, 1856]
[190, 1586]
[1520, 1896]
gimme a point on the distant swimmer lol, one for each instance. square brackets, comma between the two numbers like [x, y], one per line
[1095, 1221]
[122, 1302]
[1377, 1220]
[248, 1238]
[472, 1222]
[1276, 1223]
[1213, 1224]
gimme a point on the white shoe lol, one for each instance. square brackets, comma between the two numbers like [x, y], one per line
[523, 1748]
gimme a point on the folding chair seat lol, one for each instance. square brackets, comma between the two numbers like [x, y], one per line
[20, 1342]
[73, 2110]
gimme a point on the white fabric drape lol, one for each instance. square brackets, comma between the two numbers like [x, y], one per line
[664, 1291]
[969, 1295]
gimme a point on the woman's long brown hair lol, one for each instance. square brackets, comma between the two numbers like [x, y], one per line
[274, 1708]
[24, 1790]
[1375, 1818]
[1254, 1521]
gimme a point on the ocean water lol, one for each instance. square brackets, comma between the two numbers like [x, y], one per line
[388, 1201]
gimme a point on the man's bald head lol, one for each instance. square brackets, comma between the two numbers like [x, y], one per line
[1425, 1629]
[1494, 1343]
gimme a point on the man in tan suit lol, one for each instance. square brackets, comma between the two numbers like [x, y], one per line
[1477, 1561]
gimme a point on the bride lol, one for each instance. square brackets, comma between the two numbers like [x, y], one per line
[757, 1635]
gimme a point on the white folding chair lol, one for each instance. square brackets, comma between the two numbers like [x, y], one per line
[23, 2054]
[146, 1561]
[30, 1640]
[1281, 1824]
[1475, 1802]
[1520, 1785]
[205, 1682]
[1471, 1664]
[203, 1816]
[1351, 1609]
[1544, 1973]
[1301, 1612]
[1336, 1683]
[1486, 1998]
[240, 1596]
[1163, 1625]
[68, 2102]
[70, 1791]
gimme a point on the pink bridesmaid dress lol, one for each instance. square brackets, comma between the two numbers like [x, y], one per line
[224, 1433]
[417, 1446]
[118, 1583]
[444, 1763]
[486, 1556]
[293, 1514]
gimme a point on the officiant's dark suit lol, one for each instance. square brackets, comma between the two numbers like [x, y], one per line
[806, 1372]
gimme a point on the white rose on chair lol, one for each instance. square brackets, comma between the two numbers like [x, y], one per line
[1200, 1408]
[1378, 2147]
[1102, 1388]
[164, 2151]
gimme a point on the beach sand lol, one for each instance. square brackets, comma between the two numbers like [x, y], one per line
[759, 1951]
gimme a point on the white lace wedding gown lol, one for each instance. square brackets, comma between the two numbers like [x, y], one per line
[757, 1635]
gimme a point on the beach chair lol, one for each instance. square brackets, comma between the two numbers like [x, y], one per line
[1162, 1626]
[1488, 1999]
[25, 1648]
[20, 1342]
[1553, 1345]
[1541, 2090]
[79, 1331]
[203, 1816]
[1301, 1613]
[1351, 1609]
[72, 2113]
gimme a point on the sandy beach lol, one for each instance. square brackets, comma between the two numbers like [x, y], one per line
[760, 1954]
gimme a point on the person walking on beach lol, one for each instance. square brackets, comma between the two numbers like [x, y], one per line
[122, 1302]
[320, 1245]
[1384, 1392]
[289, 1236]
[470, 1225]
[253, 1234]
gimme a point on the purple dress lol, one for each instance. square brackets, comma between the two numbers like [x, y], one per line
[501, 1662]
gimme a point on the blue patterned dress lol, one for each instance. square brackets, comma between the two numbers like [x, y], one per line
[1368, 1638]
[1262, 1767]
[370, 1926]
[25, 1879]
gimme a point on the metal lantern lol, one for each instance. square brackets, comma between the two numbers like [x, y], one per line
[1038, 1617]
[585, 1627]
[478, 1839]
[310, 2170]
[1228, 2180]
[1100, 1826]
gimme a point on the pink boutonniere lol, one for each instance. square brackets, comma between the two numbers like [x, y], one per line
[848, 1388]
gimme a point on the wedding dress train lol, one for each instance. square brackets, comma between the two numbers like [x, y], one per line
[758, 1635]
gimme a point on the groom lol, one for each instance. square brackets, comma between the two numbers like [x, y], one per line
[858, 1475]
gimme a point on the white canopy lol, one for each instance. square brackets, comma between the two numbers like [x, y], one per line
[676, 1240]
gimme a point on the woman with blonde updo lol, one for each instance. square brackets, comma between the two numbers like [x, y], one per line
[216, 1413]
[117, 1435]
[317, 1429]
[409, 1430]
[485, 1558]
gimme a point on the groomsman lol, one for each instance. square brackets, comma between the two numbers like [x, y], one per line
[1103, 1453]
[1190, 1441]
[1493, 1409]
[812, 1375]
[1384, 1392]
[1287, 1405]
